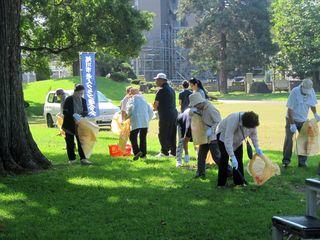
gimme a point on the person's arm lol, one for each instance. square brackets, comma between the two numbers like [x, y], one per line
[231, 126]
[129, 108]
[155, 105]
[254, 138]
[156, 101]
[290, 116]
[66, 108]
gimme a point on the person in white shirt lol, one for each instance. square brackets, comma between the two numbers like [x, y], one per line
[301, 99]
[230, 133]
[140, 114]
[123, 104]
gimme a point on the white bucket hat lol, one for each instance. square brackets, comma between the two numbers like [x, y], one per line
[195, 99]
[160, 76]
[307, 86]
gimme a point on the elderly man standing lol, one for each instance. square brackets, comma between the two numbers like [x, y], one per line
[165, 104]
[301, 99]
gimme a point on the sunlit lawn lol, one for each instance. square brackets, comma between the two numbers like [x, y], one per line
[117, 198]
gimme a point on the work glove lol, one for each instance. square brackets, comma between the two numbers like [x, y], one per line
[209, 132]
[76, 117]
[259, 151]
[317, 117]
[293, 128]
[234, 162]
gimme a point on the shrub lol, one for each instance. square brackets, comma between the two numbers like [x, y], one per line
[135, 82]
[119, 77]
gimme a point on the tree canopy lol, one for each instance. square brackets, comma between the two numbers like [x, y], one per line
[228, 35]
[296, 31]
[66, 27]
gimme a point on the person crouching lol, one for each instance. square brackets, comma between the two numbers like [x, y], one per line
[211, 118]
[140, 114]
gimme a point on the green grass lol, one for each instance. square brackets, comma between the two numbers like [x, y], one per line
[36, 92]
[117, 198]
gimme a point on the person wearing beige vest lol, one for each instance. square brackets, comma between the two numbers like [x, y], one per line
[231, 132]
[210, 117]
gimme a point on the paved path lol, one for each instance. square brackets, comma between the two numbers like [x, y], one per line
[254, 102]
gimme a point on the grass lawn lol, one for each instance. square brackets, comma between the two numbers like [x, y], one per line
[117, 198]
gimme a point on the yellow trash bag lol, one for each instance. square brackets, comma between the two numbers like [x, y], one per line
[262, 169]
[87, 132]
[198, 130]
[124, 135]
[308, 141]
[59, 125]
[209, 159]
[116, 123]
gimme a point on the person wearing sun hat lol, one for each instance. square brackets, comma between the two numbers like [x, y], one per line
[302, 98]
[210, 117]
[165, 104]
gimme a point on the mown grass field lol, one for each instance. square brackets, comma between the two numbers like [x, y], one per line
[117, 198]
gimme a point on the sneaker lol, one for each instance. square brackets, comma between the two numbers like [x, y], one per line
[137, 156]
[72, 162]
[178, 164]
[186, 159]
[171, 156]
[161, 155]
[85, 162]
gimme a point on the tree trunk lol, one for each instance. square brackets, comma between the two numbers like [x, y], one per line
[18, 151]
[223, 72]
[76, 68]
[316, 80]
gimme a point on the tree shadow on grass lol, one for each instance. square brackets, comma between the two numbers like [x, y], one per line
[121, 199]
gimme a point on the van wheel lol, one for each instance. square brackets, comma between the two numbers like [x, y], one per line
[50, 122]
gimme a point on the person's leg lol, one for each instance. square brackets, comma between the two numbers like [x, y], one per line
[287, 146]
[173, 136]
[215, 152]
[80, 150]
[180, 147]
[163, 136]
[238, 175]
[202, 155]
[186, 149]
[70, 146]
[302, 160]
[223, 165]
[143, 141]
[134, 141]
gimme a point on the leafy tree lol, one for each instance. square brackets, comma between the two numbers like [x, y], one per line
[66, 27]
[228, 35]
[296, 31]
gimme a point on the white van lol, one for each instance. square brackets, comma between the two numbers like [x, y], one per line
[52, 107]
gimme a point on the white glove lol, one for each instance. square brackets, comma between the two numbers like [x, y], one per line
[76, 117]
[317, 117]
[209, 132]
[293, 128]
[234, 162]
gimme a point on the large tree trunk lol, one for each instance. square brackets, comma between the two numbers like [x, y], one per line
[76, 68]
[18, 151]
[223, 55]
[316, 80]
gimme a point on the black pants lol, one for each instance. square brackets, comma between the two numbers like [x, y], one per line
[71, 146]
[168, 134]
[143, 141]
[223, 166]
[213, 147]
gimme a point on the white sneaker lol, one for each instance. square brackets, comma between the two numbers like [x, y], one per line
[186, 159]
[171, 156]
[161, 155]
[178, 164]
[72, 162]
[85, 162]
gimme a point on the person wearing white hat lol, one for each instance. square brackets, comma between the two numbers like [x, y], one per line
[165, 104]
[211, 118]
[301, 99]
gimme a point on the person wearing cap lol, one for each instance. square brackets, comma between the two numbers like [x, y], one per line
[231, 132]
[62, 97]
[165, 104]
[211, 118]
[140, 114]
[301, 99]
[74, 108]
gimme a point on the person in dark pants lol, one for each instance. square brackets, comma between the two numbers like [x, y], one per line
[74, 106]
[231, 132]
[140, 114]
[184, 96]
[210, 118]
[165, 104]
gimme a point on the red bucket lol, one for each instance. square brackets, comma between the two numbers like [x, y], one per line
[115, 151]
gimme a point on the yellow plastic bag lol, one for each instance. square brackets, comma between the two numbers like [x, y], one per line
[198, 130]
[59, 125]
[87, 132]
[209, 159]
[308, 141]
[124, 135]
[116, 123]
[262, 169]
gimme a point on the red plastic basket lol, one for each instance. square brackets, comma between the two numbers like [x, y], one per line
[115, 151]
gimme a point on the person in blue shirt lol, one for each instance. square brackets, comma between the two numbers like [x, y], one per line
[301, 99]
[184, 96]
